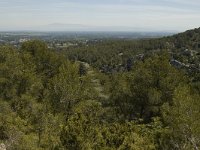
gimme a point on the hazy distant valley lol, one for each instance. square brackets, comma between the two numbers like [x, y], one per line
[65, 39]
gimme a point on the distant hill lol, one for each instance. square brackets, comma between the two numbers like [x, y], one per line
[189, 39]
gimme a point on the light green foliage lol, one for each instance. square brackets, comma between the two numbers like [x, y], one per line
[184, 119]
[13, 129]
[87, 129]
[80, 131]
[67, 88]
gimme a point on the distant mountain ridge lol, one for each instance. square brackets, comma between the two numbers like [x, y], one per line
[81, 27]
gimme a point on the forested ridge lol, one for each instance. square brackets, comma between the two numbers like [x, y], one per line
[114, 94]
[115, 55]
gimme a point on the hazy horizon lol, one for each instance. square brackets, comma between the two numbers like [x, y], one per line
[57, 27]
[104, 15]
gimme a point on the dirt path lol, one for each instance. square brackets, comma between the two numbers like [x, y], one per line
[96, 82]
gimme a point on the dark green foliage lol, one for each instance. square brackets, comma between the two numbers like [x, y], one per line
[82, 69]
[146, 88]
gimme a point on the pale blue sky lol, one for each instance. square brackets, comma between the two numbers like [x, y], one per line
[137, 14]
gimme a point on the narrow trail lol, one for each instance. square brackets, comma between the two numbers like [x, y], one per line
[96, 82]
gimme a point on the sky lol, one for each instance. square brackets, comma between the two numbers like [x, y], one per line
[147, 15]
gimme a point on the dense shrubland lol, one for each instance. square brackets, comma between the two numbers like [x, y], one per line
[49, 102]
